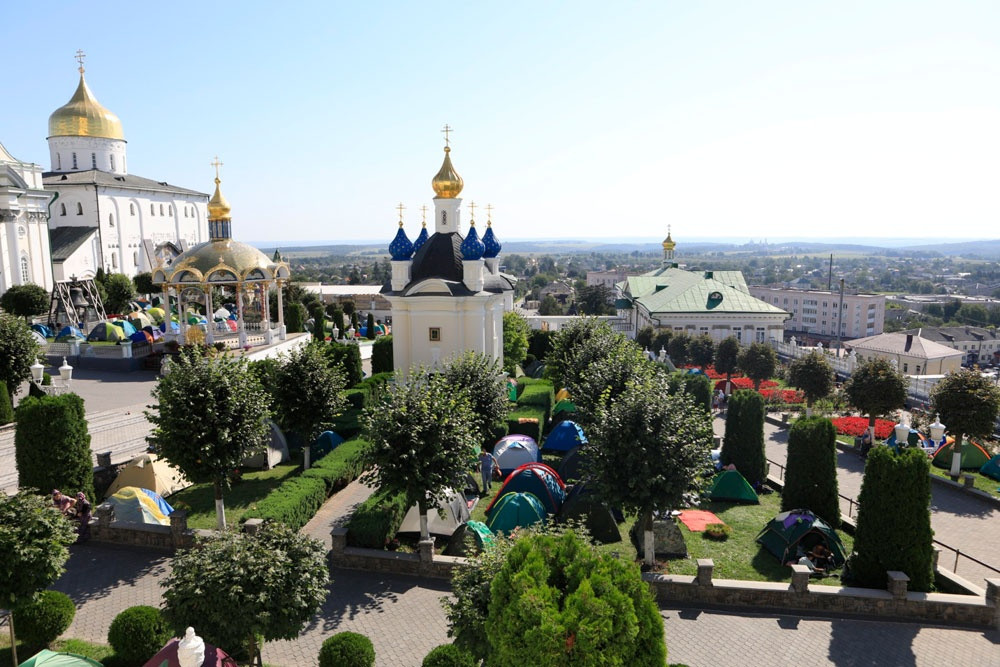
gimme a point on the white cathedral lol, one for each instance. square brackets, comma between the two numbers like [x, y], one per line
[88, 212]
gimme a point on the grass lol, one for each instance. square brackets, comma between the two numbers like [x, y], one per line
[199, 500]
[981, 482]
[99, 652]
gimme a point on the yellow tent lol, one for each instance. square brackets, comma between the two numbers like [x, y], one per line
[146, 471]
[563, 395]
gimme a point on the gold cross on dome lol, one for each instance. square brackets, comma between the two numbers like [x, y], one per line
[447, 131]
[489, 211]
[472, 210]
[400, 208]
[80, 56]
[423, 214]
[215, 163]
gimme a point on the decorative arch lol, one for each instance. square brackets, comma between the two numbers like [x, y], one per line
[159, 277]
[257, 274]
[222, 274]
[25, 269]
[79, 208]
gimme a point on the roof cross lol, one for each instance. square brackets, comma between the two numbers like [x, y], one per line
[472, 211]
[80, 56]
[447, 131]
[489, 212]
[215, 163]
[423, 214]
[400, 208]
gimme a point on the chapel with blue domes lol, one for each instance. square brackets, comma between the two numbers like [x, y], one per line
[447, 292]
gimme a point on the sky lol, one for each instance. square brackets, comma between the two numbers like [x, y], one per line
[574, 120]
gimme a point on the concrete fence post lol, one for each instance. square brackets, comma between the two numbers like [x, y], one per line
[800, 578]
[178, 527]
[104, 459]
[898, 583]
[993, 598]
[705, 569]
[338, 537]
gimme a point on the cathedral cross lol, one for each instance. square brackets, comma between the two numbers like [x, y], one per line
[400, 208]
[447, 131]
[423, 214]
[80, 56]
[216, 164]
[489, 212]
[472, 210]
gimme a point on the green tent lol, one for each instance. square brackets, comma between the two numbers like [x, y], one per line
[482, 539]
[105, 331]
[785, 533]
[583, 506]
[516, 510]
[731, 485]
[974, 457]
[992, 468]
[46, 658]
[564, 405]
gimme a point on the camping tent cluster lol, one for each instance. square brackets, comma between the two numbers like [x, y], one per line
[791, 534]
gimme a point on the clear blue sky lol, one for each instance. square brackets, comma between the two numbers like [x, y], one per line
[579, 119]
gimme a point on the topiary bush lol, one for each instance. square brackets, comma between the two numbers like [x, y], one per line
[448, 655]
[744, 443]
[52, 445]
[348, 357]
[719, 532]
[295, 317]
[137, 633]
[6, 406]
[376, 521]
[536, 393]
[382, 355]
[811, 472]
[696, 384]
[347, 649]
[38, 623]
[894, 520]
[529, 420]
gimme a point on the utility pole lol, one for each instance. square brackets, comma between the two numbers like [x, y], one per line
[840, 316]
[829, 277]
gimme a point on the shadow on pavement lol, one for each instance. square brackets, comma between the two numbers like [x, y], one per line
[94, 571]
[859, 643]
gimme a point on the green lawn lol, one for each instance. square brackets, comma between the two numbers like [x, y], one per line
[982, 482]
[102, 653]
[199, 500]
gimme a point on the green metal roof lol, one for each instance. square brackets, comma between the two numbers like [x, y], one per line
[674, 290]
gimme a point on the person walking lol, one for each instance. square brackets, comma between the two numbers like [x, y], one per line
[486, 462]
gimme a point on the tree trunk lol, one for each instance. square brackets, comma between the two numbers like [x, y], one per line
[649, 552]
[424, 532]
[956, 457]
[220, 508]
[13, 639]
[729, 385]
[809, 409]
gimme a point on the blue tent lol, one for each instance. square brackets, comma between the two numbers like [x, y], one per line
[325, 443]
[992, 468]
[516, 510]
[67, 334]
[513, 451]
[174, 327]
[565, 437]
[537, 479]
[42, 329]
[125, 326]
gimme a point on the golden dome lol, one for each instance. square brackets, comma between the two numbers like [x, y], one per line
[447, 183]
[218, 207]
[668, 243]
[223, 261]
[83, 116]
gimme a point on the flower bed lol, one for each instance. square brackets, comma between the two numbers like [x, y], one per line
[855, 426]
[782, 396]
[745, 383]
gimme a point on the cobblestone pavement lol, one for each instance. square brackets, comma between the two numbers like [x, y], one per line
[959, 520]
[702, 638]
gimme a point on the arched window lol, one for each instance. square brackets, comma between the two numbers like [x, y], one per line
[79, 208]
[131, 209]
[135, 259]
[93, 160]
[161, 209]
[111, 219]
[58, 161]
[170, 210]
[185, 211]
[152, 209]
[112, 162]
[114, 261]
[74, 161]
[62, 209]
[25, 270]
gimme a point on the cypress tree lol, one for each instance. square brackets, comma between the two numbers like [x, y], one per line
[6, 407]
[894, 520]
[744, 443]
[52, 445]
[811, 475]
[370, 326]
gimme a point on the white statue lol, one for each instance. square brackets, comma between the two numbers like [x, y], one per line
[191, 649]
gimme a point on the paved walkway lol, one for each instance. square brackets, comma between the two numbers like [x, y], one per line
[959, 520]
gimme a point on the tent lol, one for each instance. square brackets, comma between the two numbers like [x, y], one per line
[482, 538]
[453, 507]
[785, 533]
[134, 505]
[974, 456]
[583, 505]
[537, 479]
[140, 319]
[156, 314]
[221, 313]
[564, 405]
[42, 329]
[141, 336]
[148, 471]
[174, 327]
[326, 443]
[571, 468]
[47, 658]
[513, 451]
[731, 485]
[564, 437]
[41, 340]
[992, 468]
[276, 451]
[562, 395]
[154, 333]
[516, 510]
[67, 334]
[125, 326]
[107, 332]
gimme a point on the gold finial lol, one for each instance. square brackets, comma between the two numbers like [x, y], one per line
[472, 213]
[400, 208]
[489, 215]
[218, 207]
[447, 183]
[80, 56]
[423, 215]
[215, 163]
[447, 131]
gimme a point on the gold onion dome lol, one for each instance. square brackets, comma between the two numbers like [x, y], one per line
[668, 243]
[218, 207]
[83, 116]
[447, 183]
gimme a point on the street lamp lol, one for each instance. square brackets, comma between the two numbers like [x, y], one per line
[902, 430]
[37, 372]
[936, 429]
[66, 373]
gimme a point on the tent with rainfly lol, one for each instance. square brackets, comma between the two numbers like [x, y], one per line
[156, 314]
[537, 479]
[564, 437]
[125, 326]
[448, 512]
[139, 506]
[974, 456]
[583, 505]
[786, 532]
[149, 471]
[731, 485]
[70, 333]
[42, 329]
[992, 468]
[513, 451]
[572, 468]
[515, 510]
[47, 658]
[105, 331]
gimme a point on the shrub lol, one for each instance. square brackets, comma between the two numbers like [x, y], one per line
[348, 357]
[382, 355]
[448, 655]
[38, 623]
[717, 531]
[293, 503]
[138, 633]
[856, 426]
[370, 327]
[696, 384]
[46, 380]
[744, 443]
[811, 474]
[536, 393]
[347, 649]
[894, 520]
[295, 317]
[528, 421]
[340, 467]
[539, 343]
[348, 423]
[376, 521]
[6, 406]
[52, 445]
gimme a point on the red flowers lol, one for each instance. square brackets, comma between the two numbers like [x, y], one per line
[855, 426]
[783, 395]
[745, 383]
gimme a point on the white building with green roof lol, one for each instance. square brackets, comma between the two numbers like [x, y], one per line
[717, 303]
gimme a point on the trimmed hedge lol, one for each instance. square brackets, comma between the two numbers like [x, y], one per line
[811, 473]
[52, 445]
[382, 355]
[138, 633]
[520, 421]
[448, 655]
[348, 423]
[744, 443]
[376, 521]
[536, 393]
[347, 649]
[38, 623]
[368, 391]
[348, 358]
[6, 406]
[298, 499]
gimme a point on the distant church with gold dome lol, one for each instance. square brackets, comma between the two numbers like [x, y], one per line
[447, 292]
[102, 216]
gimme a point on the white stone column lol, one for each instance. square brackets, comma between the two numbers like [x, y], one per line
[239, 315]
[266, 312]
[282, 332]
[209, 315]
[181, 320]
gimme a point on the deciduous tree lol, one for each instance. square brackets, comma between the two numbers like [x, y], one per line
[308, 392]
[18, 351]
[813, 375]
[876, 388]
[119, 290]
[726, 356]
[968, 403]
[515, 340]
[701, 351]
[25, 300]
[481, 378]
[758, 362]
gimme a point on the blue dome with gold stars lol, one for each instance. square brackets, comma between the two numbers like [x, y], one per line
[401, 248]
[491, 242]
[472, 247]
[421, 239]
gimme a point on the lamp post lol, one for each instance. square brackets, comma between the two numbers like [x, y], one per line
[902, 430]
[65, 378]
